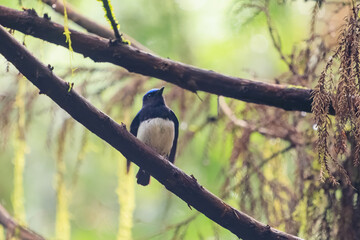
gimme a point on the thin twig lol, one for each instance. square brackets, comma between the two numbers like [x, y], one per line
[90, 25]
[111, 17]
[14, 229]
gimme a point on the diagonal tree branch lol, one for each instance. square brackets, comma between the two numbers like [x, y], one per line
[89, 25]
[134, 60]
[175, 180]
[13, 229]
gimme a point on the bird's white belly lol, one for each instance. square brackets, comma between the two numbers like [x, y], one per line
[157, 133]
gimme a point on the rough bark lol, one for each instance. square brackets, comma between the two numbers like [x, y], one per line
[175, 180]
[135, 60]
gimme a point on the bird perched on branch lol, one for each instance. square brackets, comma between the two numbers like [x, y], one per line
[157, 126]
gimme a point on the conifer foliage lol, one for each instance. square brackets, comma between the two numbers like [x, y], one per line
[340, 91]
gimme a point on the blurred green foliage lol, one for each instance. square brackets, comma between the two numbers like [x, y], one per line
[256, 172]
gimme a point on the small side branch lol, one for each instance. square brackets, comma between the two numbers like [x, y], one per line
[13, 229]
[111, 17]
[88, 24]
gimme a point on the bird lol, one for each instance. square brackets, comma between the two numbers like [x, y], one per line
[157, 126]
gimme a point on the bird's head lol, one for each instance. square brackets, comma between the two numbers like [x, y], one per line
[154, 97]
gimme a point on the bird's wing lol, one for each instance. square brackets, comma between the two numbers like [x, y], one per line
[133, 130]
[176, 125]
[135, 124]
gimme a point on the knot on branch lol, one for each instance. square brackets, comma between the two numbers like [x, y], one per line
[51, 68]
[30, 11]
[47, 17]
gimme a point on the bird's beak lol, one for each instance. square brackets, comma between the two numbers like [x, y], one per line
[160, 91]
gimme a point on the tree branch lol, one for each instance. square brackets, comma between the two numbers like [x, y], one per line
[134, 60]
[89, 25]
[277, 132]
[13, 229]
[175, 180]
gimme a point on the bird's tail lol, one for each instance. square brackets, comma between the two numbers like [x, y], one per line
[128, 163]
[143, 178]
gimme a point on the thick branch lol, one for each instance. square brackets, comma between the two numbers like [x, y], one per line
[174, 179]
[13, 229]
[134, 60]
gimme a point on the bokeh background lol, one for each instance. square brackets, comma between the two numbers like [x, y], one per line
[259, 159]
